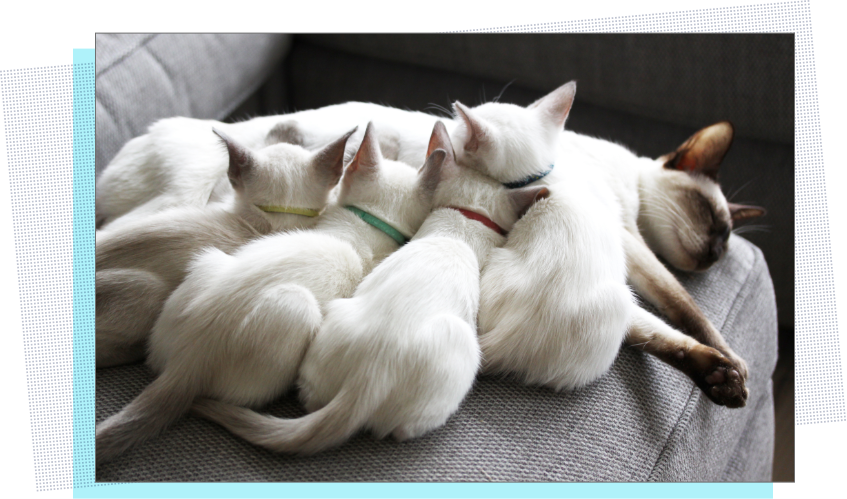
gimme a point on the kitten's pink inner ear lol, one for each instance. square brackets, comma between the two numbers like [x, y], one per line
[440, 139]
[240, 158]
[330, 159]
[476, 133]
[556, 105]
[430, 172]
[739, 212]
[704, 151]
[368, 156]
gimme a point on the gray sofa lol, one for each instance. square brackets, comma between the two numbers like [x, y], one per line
[642, 421]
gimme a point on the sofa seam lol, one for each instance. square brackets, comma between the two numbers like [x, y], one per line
[695, 395]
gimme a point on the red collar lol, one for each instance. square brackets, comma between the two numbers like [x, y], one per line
[480, 218]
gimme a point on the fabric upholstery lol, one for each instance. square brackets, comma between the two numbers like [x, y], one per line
[685, 79]
[642, 421]
[754, 171]
[141, 78]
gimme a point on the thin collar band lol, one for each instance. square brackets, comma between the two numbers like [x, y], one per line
[480, 218]
[379, 224]
[517, 184]
[306, 212]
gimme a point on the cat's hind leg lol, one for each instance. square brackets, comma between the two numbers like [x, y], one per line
[128, 302]
[710, 370]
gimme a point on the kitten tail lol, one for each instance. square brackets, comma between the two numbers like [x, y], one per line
[157, 407]
[327, 427]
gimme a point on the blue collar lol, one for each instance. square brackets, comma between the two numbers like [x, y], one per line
[527, 180]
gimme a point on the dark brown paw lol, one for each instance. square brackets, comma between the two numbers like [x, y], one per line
[718, 378]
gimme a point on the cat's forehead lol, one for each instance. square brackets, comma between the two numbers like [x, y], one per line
[283, 155]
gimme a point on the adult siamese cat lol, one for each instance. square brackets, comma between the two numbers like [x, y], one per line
[237, 328]
[399, 356]
[140, 261]
[672, 206]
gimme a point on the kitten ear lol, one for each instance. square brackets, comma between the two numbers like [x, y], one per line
[430, 173]
[286, 132]
[329, 161]
[555, 106]
[241, 159]
[368, 156]
[476, 130]
[440, 139]
[703, 151]
[525, 197]
[739, 212]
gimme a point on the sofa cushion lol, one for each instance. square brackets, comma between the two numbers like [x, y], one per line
[754, 171]
[642, 421]
[141, 78]
[686, 79]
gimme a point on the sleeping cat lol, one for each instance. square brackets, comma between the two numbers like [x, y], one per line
[236, 329]
[553, 306]
[400, 355]
[527, 149]
[140, 261]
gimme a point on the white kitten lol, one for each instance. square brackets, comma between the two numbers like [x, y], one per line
[401, 354]
[238, 327]
[554, 305]
[140, 261]
[176, 164]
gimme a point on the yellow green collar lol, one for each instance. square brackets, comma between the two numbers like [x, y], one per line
[307, 212]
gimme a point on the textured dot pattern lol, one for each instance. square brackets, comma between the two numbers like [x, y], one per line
[38, 108]
[83, 268]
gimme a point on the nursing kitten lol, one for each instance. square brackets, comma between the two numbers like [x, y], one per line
[178, 163]
[140, 261]
[238, 326]
[561, 274]
[400, 355]
[524, 144]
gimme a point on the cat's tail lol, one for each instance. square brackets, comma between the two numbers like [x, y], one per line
[157, 407]
[327, 427]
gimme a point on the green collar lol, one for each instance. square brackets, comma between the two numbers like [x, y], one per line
[379, 224]
[287, 209]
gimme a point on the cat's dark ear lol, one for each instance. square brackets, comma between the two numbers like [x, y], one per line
[703, 151]
[368, 156]
[430, 173]
[477, 133]
[241, 159]
[525, 197]
[329, 161]
[739, 212]
[440, 139]
[555, 106]
[286, 132]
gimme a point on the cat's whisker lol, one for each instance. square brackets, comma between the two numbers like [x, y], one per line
[497, 99]
[736, 191]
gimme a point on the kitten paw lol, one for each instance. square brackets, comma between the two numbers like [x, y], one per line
[718, 377]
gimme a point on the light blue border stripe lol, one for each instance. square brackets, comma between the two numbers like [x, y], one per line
[83, 179]
[83, 267]
[379, 490]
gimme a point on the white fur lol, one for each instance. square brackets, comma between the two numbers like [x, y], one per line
[141, 260]
[237, 328]
[401, 354]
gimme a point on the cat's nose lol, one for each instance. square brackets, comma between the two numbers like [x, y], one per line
[715, 252]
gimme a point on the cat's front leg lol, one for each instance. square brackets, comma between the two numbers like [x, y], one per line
[654, 281]
[711, 371]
